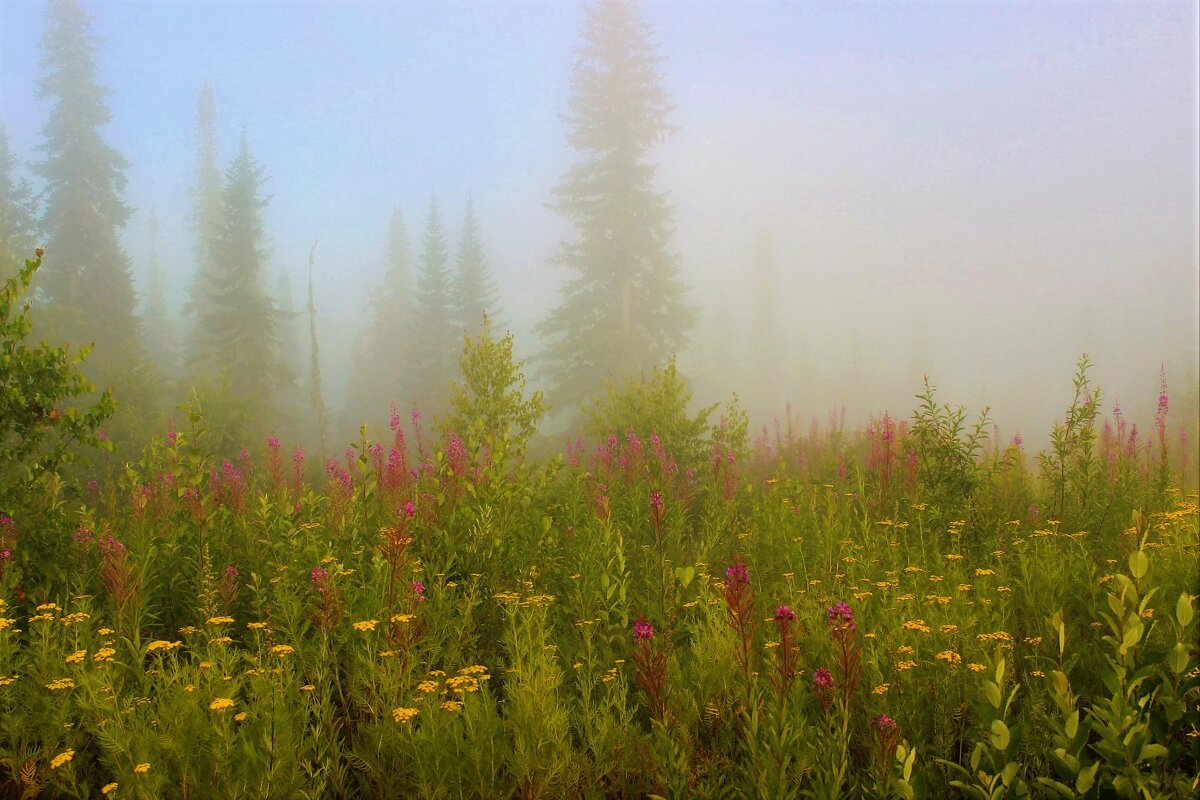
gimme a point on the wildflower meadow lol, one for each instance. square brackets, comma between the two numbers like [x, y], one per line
[672, 607]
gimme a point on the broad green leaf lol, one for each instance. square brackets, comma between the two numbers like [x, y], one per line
[1072, 725]
[1152, 750]
[1085, 779]
[1183, 610]
[993, 693]
[1139, 564]
[1178, 659]
[999, 735]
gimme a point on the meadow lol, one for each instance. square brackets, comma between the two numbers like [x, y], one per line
[675, 606]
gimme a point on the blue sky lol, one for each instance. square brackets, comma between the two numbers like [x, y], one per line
[1005, 170]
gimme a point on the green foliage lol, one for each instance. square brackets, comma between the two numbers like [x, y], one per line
[489, 408]
[948, 451]
[39, 384]
[1071, 466]
[657, 403]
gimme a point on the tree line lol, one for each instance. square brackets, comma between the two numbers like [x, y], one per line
[239, 350]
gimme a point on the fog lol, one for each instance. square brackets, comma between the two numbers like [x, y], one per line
[977, 192]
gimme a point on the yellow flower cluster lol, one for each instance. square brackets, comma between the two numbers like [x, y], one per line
[404, 715]
[104, 654]
[983, 572]
[463, 684]
[452, 705]
[950, 657]
[428, 687]
[142, 768]
[916, 625]
[282, 650]
[401, 619]
[256, 626]
[162, 646]
[7, 681]
[77, 657]
[61, 758]
[366, 626]
[220, 704]
[949, 629]
[108, 789]
[905, 665]
[6, 622]
[61, 683]
[998, 636]
[881, 689]
[976, 667]
[220, 620]
[73, 619]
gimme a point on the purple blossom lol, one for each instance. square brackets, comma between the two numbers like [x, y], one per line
[784, 613]
[273, 443]
[840, 615]
[822, 679]
[418, 588]
[409, 509]
[884, 724]
[231, 572]
[738, 573]
[643, 631]
[318, 575]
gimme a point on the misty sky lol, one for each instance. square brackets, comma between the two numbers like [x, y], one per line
[977, 190]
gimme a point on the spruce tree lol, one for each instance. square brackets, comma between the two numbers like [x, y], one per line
[157, 324]
[87, 286]
[475, 292]
[622, 307]
[206, 197]
[381, 353]
[18, 215]
[237, 321]
[433, 334]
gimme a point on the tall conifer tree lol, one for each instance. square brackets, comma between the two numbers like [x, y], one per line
[206, 197]
[18, 215]
[433, 336]
[622, 305]
[237, 321]
[87, 284]
[157, 323]
[475, 292]
[381, 354]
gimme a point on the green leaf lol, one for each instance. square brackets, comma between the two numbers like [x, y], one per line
[1009, 772]
[1000, 736]
[1178, 658]
[1152, 751]
[1072, 725]
[992, 691]
[1061, 788]
[1085, 779]
[1183, 610]
[1139, 564]
[685, 575]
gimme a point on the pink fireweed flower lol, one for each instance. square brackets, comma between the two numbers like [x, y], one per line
[884, 724]
[273, 442]
[840, 615]
[822, 679]
[318, 575]
[418, 588]
[643, 631]
[409, 509]
[738, 573]
[784, 613]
